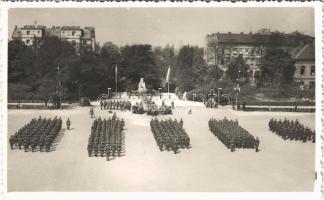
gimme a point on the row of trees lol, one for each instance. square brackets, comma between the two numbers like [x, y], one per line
[33, 72]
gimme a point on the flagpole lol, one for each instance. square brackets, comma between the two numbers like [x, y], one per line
[116, 78]
[168, 87]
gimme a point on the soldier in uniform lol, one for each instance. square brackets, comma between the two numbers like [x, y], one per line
[172, 105]
[257, 142]
[101, 104]
[91, 112]
[11, 142]
[232, 145]
[68, 123]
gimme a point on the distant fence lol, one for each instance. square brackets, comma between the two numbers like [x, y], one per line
[280, 109]
[280, 103]
[35, 106]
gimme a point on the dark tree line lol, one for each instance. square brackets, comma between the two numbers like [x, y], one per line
[33, 72]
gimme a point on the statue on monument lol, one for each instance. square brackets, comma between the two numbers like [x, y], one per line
[141, 86]
[184, 96]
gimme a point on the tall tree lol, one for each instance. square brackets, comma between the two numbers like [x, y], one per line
[277, 66]
[137, 62]
[190, 67]
[238, 70]
[215, 55]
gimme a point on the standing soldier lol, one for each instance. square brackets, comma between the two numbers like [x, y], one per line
[181, 122]
[68, 123]
[89, 148]
[91, 112]
[232, 145]
[172, 105]
[101, 104]
[11, 142]
[257, 142]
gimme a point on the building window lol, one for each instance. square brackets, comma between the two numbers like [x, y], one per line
[28, 32]
[73, 33]
[27, 41]
[38, 32]
[312, 73]
[302, 70]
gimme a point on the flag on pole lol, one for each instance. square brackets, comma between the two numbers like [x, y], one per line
[167, 79]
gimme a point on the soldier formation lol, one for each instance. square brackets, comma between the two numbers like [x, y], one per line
[232, 135]
[152, 109]
[106, 138]
[115, 105]
[37, 134]
[292, 130]
[138, 108]
[170, 134]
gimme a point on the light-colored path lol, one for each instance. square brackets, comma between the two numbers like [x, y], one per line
[207, 166]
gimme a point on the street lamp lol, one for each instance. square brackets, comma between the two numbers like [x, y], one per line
[218, 94]
[116, 73]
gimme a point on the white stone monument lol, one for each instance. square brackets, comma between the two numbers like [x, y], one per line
[141, 86]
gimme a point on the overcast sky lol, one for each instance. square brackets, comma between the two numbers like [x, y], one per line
[161, 26]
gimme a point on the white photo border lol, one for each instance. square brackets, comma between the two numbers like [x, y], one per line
[318, 188]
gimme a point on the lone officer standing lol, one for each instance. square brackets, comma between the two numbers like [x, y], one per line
[257, 142]
[91, 112]
[68, 123]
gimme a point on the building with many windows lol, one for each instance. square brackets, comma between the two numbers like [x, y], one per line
[305, 66]
[82, 38]
[222, 47]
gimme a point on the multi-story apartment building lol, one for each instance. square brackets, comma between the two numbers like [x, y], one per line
[82, 38]
[221, 47]
[305, 66]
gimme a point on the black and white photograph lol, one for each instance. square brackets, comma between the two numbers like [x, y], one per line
[162, 99]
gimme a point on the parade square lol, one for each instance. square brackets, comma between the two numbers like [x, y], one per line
[208, 166]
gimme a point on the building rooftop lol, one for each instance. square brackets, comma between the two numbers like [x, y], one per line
[276, 38]
[17, 33]
[71, 28]
[240, 38]
[307, 52]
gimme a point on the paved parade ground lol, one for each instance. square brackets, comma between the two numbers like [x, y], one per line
[207, 166]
